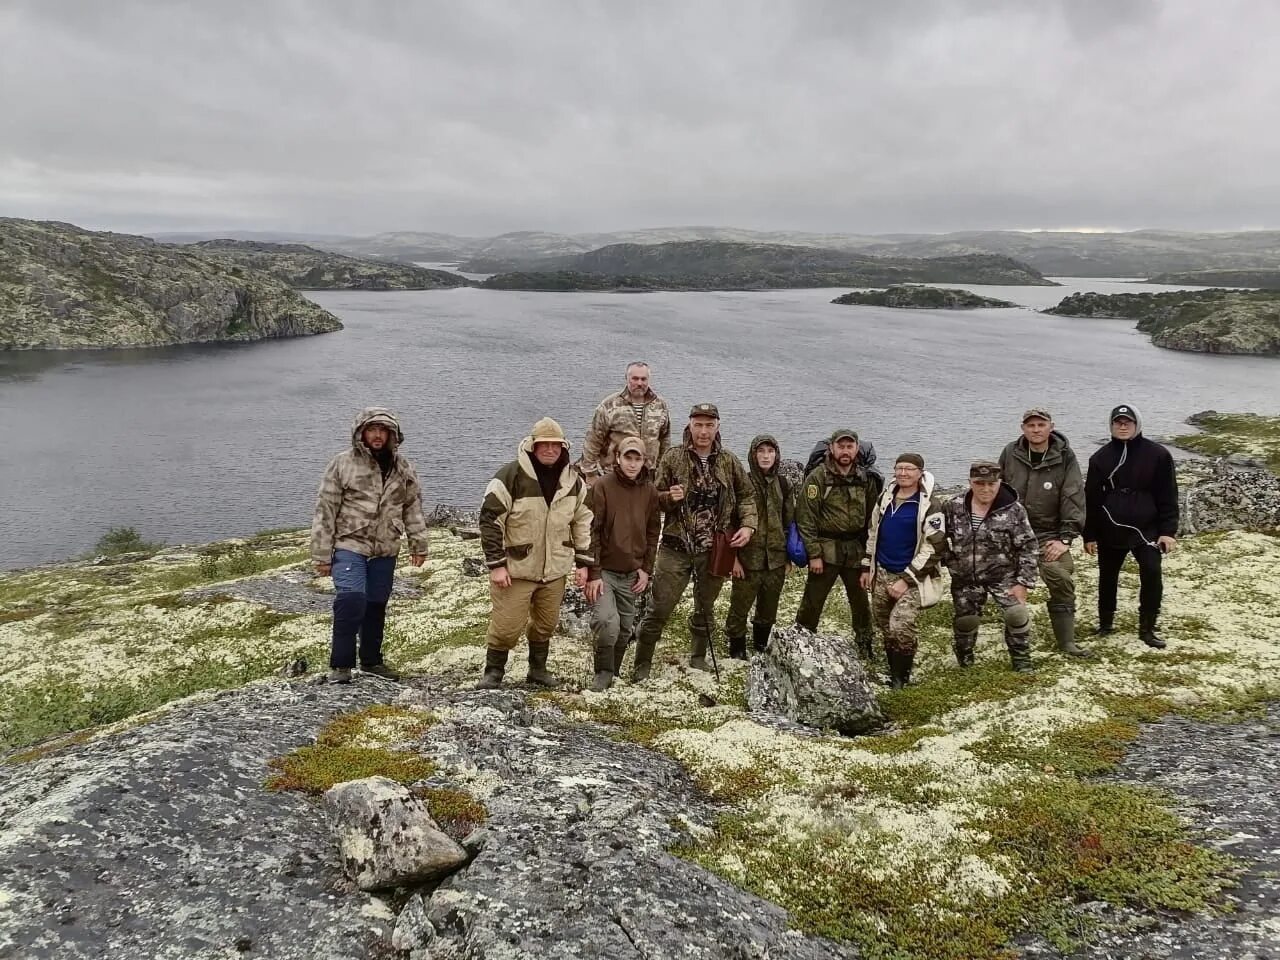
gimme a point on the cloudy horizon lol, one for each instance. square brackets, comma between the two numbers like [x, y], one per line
[319, 117]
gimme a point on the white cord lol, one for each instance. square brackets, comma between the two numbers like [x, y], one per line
[1124, 456]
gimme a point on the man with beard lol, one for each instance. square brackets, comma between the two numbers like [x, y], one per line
[833, 513]
[1043, 471]
[535, 526]
[993, 552]
[1131, 506]
[760, 570]
[625, 522]
[369, 499]
[636, 411]
[703, 489]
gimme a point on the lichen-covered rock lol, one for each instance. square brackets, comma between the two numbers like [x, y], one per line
[815, 679]
[386, 835]
[413, 928]
[474, 567]
[575, 613]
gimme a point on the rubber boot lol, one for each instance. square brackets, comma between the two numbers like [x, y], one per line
[619, 654]
[1019, 645]
[644, 662]
[372, 629]
[1147, 631]
[698, 654]
[1063, 620]
[760, 635]
[699, 663]
[495, 665]
[1106, 621]
[604, 669]
[865, 640]
[963, 644]
[900, 664]
[738, 648]
[538, 672]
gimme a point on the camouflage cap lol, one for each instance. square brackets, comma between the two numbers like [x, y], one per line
[984, 470]
[844, 433]
[1040, 412]
[705, 410]
[631, 445]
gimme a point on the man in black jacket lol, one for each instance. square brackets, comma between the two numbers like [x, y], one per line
[1131, 506]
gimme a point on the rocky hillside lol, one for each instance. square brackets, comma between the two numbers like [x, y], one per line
[1203, 321]
[712, 265]
[62, 287]
[914, 297]
[306, 268]
[1258, 279]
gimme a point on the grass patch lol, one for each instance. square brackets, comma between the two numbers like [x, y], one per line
[1224, 434]
[121, 540]
[456, 812]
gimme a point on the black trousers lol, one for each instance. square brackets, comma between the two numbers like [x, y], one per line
[1151, 591]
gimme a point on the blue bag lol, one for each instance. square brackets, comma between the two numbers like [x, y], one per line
[796, 552]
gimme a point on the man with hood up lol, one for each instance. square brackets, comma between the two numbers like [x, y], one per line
[535, 527]
[760, 571]
[1131, 506]
[992, 552]
[369, 499]
[1044, 472]
[704, 491]
[625, 523]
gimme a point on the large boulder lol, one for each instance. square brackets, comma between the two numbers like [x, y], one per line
[815, 679]
[386, 835]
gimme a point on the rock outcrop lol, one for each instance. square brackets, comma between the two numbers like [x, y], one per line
[814, 679]
[62, 288]
[306, 268]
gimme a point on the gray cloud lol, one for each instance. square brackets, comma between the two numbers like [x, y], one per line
[492, 116]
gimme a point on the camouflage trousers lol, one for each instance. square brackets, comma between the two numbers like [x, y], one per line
[895, 618]
[759, 588]
[969, 598]
[671, 575]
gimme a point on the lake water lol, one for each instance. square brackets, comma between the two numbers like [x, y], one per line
[190, 444]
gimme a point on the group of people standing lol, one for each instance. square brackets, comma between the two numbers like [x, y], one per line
[638, 514]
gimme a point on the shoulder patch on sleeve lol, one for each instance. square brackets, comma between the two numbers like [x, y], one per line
[934, 522]
[811, 491]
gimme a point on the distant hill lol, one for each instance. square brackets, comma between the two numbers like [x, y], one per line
[1203, 321]
[1257, 279]
[913, 297]
[714, 265]
[62, 287]
[306, 268]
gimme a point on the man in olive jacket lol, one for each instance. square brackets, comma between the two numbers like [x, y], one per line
[535, 527]
[369, 500]
[704, 491]
[1044, 472]
[833, 512]
[760, 571]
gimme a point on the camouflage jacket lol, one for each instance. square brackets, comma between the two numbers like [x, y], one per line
[833, 512]
[358, 510]
[737, 507]
[775, 509]
[614, 419]
[1052, 491]
[1000, 551]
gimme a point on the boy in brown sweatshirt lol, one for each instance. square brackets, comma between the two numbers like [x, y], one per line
[624, 540]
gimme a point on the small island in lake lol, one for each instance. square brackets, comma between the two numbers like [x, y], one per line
[915, 297]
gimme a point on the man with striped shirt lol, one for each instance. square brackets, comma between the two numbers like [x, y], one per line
[635, 411]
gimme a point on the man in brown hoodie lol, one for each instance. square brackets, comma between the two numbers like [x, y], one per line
[624, 540]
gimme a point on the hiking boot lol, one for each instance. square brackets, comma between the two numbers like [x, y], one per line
[538, 672]
[643, 664]
[602, 682]
[381, 670]
[1147, 632]
[865, 640]
[495, 665]
[760, 636]
[619, 654]
[699, 663]
[900, 664]
[640, 672]
[1106, 621]
[963, 645]
[738, 648]
[1063, 620]
[1019, 653]
[340, 675]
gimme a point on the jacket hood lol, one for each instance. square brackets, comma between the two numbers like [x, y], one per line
[1137, 417]
[756, 441]
[371, 415]
[927, 482]
[524, 456]
[1058, 443]
[1005, 498]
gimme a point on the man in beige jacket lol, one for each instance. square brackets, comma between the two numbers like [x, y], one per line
[369, 499]
[535, 527]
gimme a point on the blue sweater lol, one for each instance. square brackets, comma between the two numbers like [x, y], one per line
[896, 541]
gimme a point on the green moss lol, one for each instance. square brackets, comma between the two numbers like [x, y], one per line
[1224, 434]
[456, 812]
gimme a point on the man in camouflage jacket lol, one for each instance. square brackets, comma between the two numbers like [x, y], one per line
[369, 500]
[704, 491]
[992, 551]
[636, 411]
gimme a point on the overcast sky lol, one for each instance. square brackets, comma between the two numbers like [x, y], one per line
[484, 117]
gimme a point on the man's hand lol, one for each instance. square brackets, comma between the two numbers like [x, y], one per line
[417, 559]
[738, 572]
[641, 584]
[815, 564]
[1167, 544]
[580, 577]
[675, 492]
[1091, 548]
[324, 569]
[741, 538]
[1018, 592]
[1054, 549]
[898, 589]
[500, 578]
[864, 580]
[593, 591]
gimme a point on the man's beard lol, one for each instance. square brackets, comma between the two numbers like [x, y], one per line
[844, 461]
